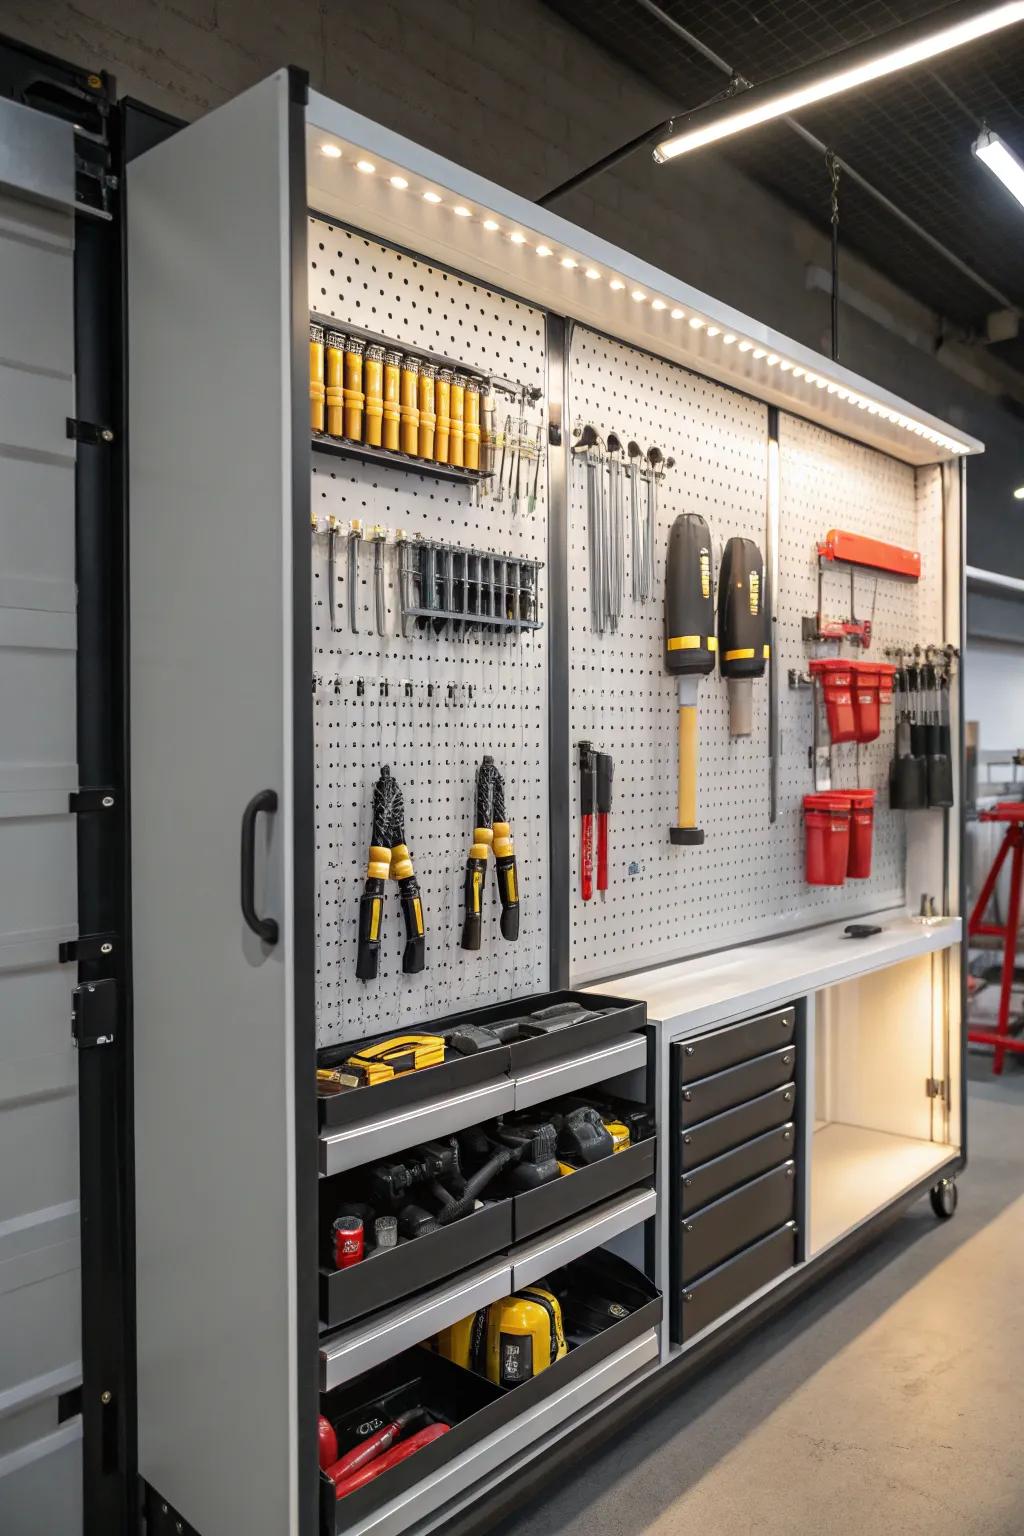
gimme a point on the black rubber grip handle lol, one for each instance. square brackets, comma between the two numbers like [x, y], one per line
[371, 912]
[414, 954]
[508, 893]
[471, 923]
[264, 928]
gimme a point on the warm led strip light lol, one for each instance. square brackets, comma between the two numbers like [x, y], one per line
[781, 100]
[699, 324]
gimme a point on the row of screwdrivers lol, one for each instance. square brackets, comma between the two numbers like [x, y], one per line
[387, 398]
[597, 771]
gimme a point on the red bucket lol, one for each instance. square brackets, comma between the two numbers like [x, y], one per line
[827, 823]
[837, 678]
[862, 833]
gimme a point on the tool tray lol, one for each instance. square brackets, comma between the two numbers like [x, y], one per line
[475, 1407]
[457, 1073]
[387, 1275]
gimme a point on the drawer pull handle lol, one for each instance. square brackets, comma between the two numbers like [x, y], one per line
[787, 1135]
[688, 1296]
[687, 1183]
[787, 1096]
[687, 1140]
[786, 1060]
[688, 1227]
[687, 1095]
[689, 1050]
[789, 1173]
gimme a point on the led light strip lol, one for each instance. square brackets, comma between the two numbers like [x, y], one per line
[698, 323]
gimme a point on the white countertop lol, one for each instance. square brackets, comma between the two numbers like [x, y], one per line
[751, 977]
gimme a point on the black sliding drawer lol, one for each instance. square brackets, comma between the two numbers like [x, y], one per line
[726, 1226]
[695, 1307]
[736, 1167]
[713, 1095]
[724, 1048]
[700, 1143]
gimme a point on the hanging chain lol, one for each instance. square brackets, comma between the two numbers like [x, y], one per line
[832, 166]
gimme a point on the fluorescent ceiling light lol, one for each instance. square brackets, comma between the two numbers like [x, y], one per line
[1018, 494]
[899, 49]
[1002, 162]
[491, 224]
[330, 151]
[431, 197]
[462, 212]
[399, 182]
[366, 166]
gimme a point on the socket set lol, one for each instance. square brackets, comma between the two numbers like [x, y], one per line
[453, 589]
[441, 587]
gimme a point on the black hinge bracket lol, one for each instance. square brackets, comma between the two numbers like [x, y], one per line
[94, 1013]
[92, 800]
[89, 432]
[89, 946]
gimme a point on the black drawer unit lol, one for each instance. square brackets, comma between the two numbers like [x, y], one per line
[726, 1226]
[724, 1048]
[695, 1307]
[737, 1167]
[713, 1095]
[736, 1152]
[699, 1143]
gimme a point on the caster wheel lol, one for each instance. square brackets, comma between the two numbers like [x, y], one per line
[944, 1199]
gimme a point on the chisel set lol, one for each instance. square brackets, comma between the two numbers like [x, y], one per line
[441, 587]
[608, 464]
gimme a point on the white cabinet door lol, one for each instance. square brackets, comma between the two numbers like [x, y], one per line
[220, 720]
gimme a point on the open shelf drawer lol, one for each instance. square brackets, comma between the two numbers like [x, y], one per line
[353, 1350]
[488, 1422]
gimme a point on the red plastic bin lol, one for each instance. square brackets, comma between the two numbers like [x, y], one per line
[872, 682]
[827, 823]
[837, 678]
[862, 833]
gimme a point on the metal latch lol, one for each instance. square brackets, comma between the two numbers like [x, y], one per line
[89, 946]
[91, 800]
[88, 431]
[94, 1013]
[935, 1087]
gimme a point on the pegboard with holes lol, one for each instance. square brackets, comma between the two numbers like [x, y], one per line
[746, 881]
[430, 705]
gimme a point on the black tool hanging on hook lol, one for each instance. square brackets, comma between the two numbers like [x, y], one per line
[492, 831]
[389, 856]
[743, 644]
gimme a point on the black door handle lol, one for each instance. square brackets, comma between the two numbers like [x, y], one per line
[264, 927]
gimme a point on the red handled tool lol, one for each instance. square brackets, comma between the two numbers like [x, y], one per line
[373, 1446]
[345, 1484]
[605, 772]
[588, 796]
[327, 1443]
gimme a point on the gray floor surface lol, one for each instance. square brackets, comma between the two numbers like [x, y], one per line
[889, 1400]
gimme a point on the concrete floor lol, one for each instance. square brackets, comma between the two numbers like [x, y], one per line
[890, 1400]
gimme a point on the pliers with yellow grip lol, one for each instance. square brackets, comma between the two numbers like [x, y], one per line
[492, 832]
[389, 856]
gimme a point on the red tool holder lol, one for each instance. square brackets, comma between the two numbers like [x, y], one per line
[875, 554]
[1011, 813]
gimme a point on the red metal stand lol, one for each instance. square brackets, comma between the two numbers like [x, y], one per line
[1012, 813]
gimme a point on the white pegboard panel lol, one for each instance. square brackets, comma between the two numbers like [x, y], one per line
[746, 881]
[431, 705]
